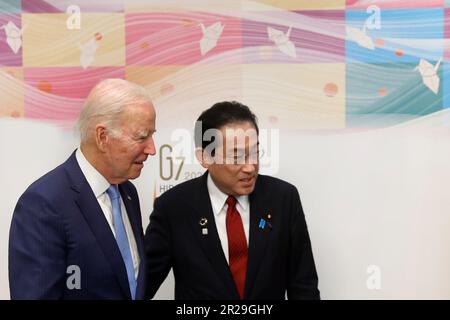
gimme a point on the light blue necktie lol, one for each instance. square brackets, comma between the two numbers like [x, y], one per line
[121, 236]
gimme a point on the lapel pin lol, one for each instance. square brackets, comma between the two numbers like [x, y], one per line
[266, 220]
[204, 223]
[262, 223]
[128, 197]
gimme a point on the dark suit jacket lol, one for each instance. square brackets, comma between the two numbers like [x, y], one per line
[57, 223]
[280, 259]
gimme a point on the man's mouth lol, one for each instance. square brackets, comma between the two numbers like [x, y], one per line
[247, 180]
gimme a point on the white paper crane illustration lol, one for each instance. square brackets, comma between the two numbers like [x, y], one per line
[429, 74]
[13, 36]
[210, 36]
[282, 41]
[88, 53]
[360, 36]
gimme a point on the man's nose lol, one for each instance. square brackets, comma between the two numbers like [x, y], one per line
[150, 147]
[249, 168]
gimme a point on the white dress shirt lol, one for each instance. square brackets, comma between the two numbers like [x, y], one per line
[99, 185]
[219, 206]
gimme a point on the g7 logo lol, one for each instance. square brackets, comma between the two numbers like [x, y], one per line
[166, 160]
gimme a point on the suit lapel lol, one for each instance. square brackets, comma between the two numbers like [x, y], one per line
[210, 243]
[258, 238]
[96, 221]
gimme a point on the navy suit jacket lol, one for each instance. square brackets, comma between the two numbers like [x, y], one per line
[58, 223]
[280, 258]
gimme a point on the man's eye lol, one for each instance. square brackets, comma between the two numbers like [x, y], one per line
[142, 138]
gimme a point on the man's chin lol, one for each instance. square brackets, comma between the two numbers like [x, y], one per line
[134, 175]
[244, 191]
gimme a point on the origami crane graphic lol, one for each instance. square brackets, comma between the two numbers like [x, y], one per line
[210, 36]
[88, 53]
[360, 37]
[429, 74]
[13, 36]
[282, 41]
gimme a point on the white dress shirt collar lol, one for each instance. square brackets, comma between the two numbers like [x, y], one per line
[218, 198]
[97, 182]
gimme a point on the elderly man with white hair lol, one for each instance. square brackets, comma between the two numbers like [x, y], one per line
[76, 232]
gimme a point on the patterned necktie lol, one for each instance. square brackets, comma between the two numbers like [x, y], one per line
[121, 237]
[237, 245]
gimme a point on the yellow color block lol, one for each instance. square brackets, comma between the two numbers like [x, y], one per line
[158, 79]
[149, 75]
[11, 91]
[294, 4]
[215, 6]
[297, 96]
[48, 42]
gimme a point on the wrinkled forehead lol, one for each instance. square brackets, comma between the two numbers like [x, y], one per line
[239, 135]
[137, 117]
[138, 111]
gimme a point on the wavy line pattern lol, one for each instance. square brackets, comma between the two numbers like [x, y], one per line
[311, 75]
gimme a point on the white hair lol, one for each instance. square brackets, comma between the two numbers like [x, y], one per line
[106, 101]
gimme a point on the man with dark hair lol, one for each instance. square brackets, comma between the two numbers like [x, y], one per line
[231, 233]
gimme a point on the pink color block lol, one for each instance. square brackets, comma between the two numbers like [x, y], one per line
[173, 38]
[58, 93]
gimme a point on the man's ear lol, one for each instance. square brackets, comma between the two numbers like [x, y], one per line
[101, 137]
[199, 154]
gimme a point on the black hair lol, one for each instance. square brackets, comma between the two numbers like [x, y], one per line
[219, 115]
